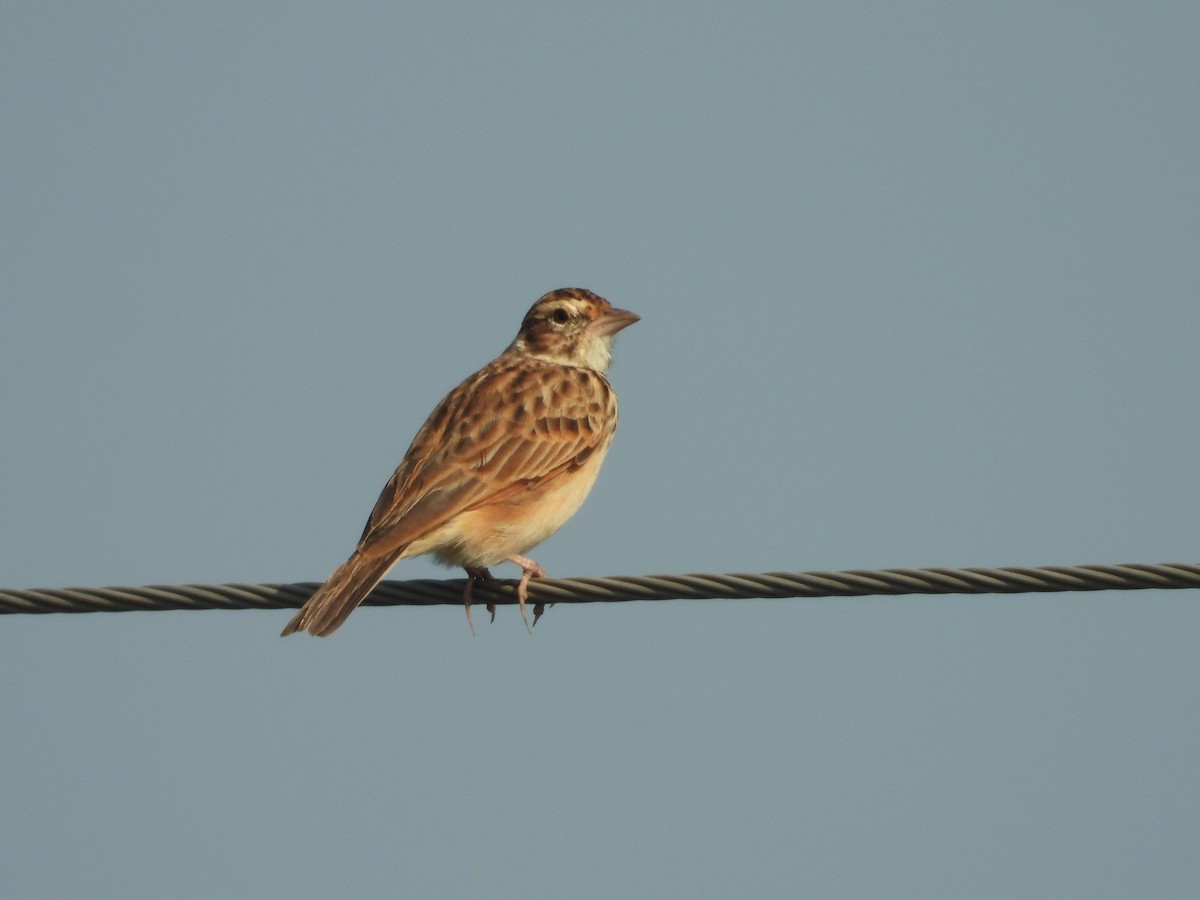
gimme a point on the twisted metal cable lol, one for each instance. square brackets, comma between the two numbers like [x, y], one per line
[429, 592]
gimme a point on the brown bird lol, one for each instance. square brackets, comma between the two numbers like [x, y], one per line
[500, 465]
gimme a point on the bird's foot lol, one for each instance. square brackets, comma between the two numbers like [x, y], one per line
[529, 569]
[476, 573]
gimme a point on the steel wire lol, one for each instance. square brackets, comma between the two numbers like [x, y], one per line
[730, 586]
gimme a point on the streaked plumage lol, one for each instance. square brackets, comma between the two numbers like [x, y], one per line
[501, 464]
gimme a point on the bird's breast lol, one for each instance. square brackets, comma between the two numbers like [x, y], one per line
[489, 534]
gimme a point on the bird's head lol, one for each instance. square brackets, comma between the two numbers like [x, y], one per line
[572, 327]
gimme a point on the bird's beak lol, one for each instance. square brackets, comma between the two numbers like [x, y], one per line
[614, 320]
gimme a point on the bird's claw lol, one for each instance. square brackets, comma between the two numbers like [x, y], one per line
[529, 569]
[474, 575]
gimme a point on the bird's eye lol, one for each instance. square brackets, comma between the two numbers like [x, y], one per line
[561, 316]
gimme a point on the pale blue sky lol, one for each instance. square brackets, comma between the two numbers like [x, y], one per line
[918, 286]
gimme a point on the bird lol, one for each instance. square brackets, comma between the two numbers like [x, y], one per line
[502, 462]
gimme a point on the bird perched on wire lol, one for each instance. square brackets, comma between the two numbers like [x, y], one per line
[500, 464]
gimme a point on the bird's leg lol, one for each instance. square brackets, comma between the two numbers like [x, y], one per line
[529, 569]
[476, 573]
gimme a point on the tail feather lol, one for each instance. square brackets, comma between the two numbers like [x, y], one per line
[326, 610]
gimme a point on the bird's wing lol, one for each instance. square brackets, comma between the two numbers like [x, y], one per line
[506, 429]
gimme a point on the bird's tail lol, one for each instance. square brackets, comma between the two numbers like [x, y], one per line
[325, 611]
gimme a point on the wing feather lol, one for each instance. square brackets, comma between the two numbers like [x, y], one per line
[513, 426]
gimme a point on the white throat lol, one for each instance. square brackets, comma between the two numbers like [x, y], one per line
[593, 352]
